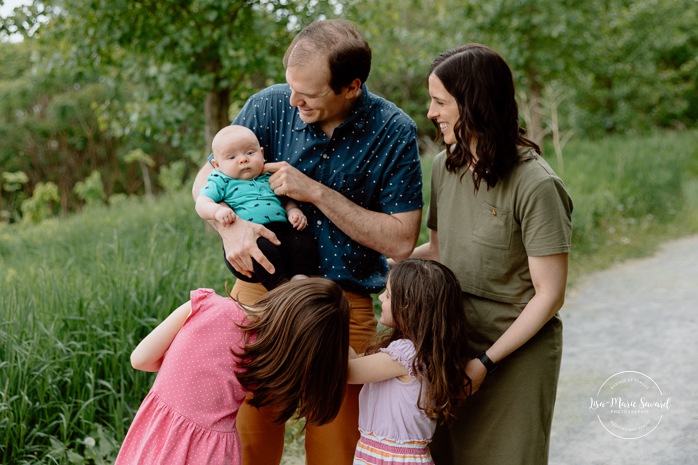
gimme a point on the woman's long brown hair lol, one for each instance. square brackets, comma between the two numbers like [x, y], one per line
[297, 363]
[427, 308]
[482, 84]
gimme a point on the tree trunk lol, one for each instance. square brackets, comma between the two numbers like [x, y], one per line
[535, 132]
[216, 112]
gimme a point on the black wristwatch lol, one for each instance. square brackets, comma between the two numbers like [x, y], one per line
[489, 364]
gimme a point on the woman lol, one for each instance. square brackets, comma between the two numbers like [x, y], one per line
[500, 218]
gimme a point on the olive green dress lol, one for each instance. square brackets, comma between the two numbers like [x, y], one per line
[486, 237]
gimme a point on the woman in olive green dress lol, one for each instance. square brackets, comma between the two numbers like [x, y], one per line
[500, 218]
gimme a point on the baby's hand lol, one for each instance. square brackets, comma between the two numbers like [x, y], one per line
[225, 215]
[297, 218]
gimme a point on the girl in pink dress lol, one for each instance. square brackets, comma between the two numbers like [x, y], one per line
[416, 375]
[290, 349]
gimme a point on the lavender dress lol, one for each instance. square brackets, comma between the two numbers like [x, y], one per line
[393, 428]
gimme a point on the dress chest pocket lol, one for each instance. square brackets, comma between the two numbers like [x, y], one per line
[493, 227]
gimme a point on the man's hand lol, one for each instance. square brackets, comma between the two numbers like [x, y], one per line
[240, 244]
[290, 182]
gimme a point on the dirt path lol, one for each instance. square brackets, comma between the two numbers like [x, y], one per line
[640, 316]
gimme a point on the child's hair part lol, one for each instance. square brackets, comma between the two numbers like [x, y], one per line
[426, 303]
[298, 360]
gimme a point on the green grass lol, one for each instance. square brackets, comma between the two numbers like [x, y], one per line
[77, 294]
[630, 194]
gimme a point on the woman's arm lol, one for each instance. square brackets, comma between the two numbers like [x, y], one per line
[549, 275]
[374, 368]
[428, 250]
[147, 356]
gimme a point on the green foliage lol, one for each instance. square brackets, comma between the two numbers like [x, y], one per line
[637, 73]
[404, 41]
[13, 181]
[40, 205]
[91, 190]
[99, 448]
[47, 125]
[94, 80]
[171, 177]
[139, 156]
[626, 189]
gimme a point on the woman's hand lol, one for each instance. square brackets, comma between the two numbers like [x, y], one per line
[476, 371]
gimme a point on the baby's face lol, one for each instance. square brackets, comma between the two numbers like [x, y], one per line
[240, 158]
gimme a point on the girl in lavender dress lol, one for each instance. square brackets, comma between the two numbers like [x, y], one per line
[290, 349]
[415, 377]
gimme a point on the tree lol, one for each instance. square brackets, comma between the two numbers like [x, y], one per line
[642, 69]
[404, 41]
[48, 126]
[216, 51]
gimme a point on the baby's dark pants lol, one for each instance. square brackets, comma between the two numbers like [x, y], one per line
[297, 254]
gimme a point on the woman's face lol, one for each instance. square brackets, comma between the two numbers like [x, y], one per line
[443, 109]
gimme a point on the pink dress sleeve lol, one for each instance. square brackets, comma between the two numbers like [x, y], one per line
[199, 299]
[403, 352]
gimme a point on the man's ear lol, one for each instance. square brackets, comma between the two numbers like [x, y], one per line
[353, 90]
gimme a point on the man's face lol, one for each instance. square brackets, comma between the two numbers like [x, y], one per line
[312, 95]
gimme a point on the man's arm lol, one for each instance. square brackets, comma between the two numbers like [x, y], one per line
[240, 237]
[392, 235]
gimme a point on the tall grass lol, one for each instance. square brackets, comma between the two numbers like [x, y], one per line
[629, 194]
[76, 295]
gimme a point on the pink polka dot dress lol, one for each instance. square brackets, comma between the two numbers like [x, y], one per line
[188, 417]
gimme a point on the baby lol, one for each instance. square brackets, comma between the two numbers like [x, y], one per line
[239, 181]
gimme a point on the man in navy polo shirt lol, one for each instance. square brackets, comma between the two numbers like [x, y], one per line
[351, 161]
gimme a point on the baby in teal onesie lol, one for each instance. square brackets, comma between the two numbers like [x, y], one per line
[238, 181]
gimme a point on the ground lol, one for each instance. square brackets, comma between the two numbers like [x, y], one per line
[641, 316]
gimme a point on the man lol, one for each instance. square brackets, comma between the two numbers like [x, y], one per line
[350, 159]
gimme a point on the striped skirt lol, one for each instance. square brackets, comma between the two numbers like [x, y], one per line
[372, 450]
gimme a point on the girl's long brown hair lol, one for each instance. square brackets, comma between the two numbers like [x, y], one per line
[482, 84]
[298, 360]
[427, 308]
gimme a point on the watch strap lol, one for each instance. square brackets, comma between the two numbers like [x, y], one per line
[487, 362]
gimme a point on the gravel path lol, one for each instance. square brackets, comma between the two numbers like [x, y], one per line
[641, 315]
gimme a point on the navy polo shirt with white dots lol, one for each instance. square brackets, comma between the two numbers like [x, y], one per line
[372, 159]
